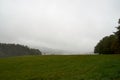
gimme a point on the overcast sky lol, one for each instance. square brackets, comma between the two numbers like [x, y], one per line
[75, 25]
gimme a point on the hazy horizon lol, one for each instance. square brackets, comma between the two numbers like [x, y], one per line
[71, 25]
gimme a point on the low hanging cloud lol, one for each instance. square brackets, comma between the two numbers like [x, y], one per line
[75, 25]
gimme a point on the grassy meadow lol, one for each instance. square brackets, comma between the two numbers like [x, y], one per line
[64, 67]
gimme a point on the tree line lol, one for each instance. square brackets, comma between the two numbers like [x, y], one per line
[109, 44]
[7, 50]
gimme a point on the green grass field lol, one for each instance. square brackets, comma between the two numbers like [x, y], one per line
[77, 67]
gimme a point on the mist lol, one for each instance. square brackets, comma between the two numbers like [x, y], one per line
[71, 25]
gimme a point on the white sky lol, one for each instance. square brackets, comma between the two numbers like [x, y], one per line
[75, 25]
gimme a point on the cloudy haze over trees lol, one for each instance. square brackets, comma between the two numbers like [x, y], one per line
[72, 25]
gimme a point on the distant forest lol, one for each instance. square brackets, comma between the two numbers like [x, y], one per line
[7, 50]
[109, 44]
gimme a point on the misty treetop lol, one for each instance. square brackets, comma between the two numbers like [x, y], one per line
[7, 50]
[109, 44]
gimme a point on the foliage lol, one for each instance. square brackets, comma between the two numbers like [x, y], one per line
[79, 67]
[7, 50]
[109, 44]
[118, 31]
[106, 45]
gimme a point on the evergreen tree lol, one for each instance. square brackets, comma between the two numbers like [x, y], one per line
[109, 44]
[118, 31]
[118, 38]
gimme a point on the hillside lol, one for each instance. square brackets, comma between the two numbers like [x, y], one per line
[79, 67]
[7, 50]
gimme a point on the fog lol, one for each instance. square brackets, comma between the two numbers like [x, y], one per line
[71, 25]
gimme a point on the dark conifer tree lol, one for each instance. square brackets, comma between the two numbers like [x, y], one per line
[109, 44]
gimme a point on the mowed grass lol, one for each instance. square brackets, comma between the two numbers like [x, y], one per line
[70, 67]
